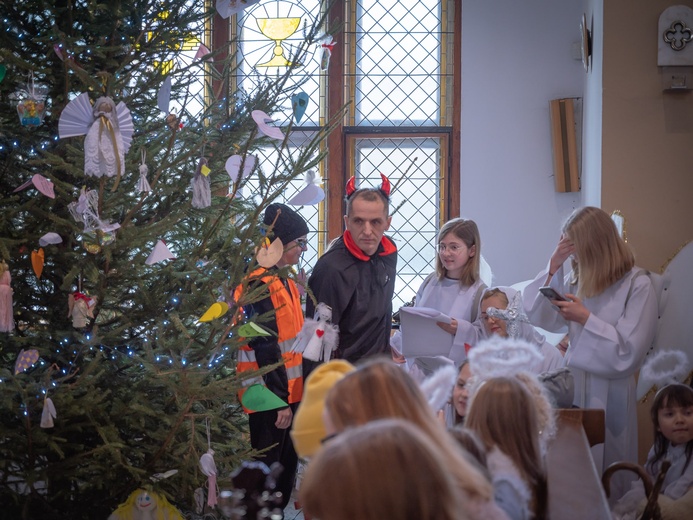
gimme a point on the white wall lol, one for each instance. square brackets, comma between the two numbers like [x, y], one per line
[516, 57]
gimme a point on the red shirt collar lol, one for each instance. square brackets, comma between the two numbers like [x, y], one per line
[386, 243]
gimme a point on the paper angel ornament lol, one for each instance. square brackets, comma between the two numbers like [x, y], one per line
[201, 186]
[80, 309]
[108, 129]
[143, 184]
[6, 317]
[48, 413]
[159, 253]
[86, 211]
[146, 505]
[209, 468]
[311, 194]
[326, 47]
[318, 338]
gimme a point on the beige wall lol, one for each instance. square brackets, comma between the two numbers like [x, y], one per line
[647, 146]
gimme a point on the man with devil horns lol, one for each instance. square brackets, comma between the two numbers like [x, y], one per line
[356, 276]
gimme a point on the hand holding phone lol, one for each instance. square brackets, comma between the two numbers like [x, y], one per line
[552, 294]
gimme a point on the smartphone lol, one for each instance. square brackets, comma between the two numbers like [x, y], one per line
[551, 294]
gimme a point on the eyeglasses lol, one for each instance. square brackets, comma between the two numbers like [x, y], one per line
[453, 248]
[302, 243]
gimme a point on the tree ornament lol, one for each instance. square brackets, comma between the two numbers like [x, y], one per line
[80, 309]
[201, 187]
[86, 211]
[209, 468]
[160, 253]
[6, 318]
[326, 47]
[108, 129]
[48, 413]
[37, 260]
[25, 359]
[31, 103]
[143, 184]
[146, 505]
[318, 337]
[299, 103]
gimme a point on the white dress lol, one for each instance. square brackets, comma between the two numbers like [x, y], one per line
[604, 356]
[449, 297]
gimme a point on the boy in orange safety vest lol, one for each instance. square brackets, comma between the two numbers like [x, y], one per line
[271, 427]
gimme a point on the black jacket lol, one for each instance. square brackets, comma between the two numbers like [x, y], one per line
[359, 289]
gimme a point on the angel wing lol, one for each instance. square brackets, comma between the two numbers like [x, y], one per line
[125, 125]
[76, 117]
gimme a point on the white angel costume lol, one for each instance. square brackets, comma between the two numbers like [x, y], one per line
[461, 303]
[518, 327]
[108, 129]
[604, 355]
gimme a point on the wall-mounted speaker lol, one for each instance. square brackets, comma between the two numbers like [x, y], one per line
[564, 133]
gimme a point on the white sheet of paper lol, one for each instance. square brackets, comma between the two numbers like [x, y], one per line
[420, 334]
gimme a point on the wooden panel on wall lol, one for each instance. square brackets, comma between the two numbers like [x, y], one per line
[563, 137]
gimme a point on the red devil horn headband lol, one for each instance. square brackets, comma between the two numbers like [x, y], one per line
[385, 186]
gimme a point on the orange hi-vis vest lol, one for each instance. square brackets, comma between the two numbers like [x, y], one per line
[289, 318]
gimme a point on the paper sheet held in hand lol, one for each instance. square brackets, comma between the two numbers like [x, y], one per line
[420, 334]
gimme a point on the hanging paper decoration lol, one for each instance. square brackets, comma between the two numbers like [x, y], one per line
[37, 260]
[143, 184]
[268, 255]
[202, 51]
[50, 238]
[311, 194]
[163, 97]
[326, 47]
[31, 103]
[80, 309]
[201, 186]
[233, 166]
[299, 103]
[261, 119]
[209, 468]
[42, 184]
[159, 253]
[108, 129]
[48, 413]
[252, 330]
[6, 318]
[259, 398]
[25, 359]
[319, 337]
[86, 211]
[216, 310]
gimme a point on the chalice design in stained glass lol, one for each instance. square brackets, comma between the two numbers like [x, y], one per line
[278, 30]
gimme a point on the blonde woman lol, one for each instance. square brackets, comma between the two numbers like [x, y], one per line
[380, 389]
[610, 313]
[383, 469]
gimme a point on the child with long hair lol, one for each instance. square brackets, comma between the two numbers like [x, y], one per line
[380, 389]
[383, 469]
[456, 286]
[610, 311]
[672, 419]
[504, 415]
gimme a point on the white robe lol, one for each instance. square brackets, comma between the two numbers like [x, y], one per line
[447, 296]
[604, 356]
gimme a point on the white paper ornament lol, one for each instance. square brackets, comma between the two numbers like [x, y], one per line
[159, 253]
[48, 413]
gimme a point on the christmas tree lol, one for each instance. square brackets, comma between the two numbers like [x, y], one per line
[112, 271]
